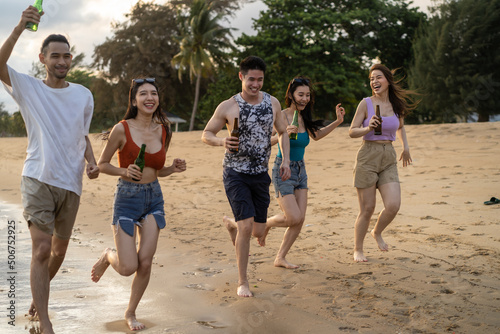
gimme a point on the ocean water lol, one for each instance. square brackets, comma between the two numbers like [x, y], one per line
[76, 303]
[15, 257]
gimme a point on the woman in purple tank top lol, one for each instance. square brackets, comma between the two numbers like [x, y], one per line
[376, 164]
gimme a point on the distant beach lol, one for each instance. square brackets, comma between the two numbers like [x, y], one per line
[440, 275]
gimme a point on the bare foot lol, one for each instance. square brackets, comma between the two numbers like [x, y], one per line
[100, 266]
[230, 227]
[46, 328]
[381, 243]
[132, 322]
[244, 290]
[284, 263]
[359, 256]
[262, 239]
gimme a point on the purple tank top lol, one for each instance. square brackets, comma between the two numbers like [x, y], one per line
[389, 124]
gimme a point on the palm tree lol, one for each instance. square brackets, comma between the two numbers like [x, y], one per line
[203, 45]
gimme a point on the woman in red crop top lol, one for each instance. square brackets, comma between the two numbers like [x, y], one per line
[376, 165]
[138, 207]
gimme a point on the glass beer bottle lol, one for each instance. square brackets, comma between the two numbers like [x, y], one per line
[235, 133]
[34, 26]
[139, 161]
[378, 129]
[295, 121]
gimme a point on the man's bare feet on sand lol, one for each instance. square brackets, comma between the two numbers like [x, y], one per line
[244, 290]
[37, 327]
[262, 239]
[284, 263]
[359, 256]
[381, 243]
[230, 227]
[132, 322]
[100, 266]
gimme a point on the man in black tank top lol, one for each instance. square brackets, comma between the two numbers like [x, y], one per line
[245, 174]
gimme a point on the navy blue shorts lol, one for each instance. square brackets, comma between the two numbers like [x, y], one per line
[134, 202]
[248, 194]
[297, 180]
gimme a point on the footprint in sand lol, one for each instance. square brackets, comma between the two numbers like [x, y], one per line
[199, 286]
[211, 324]
[209, 271]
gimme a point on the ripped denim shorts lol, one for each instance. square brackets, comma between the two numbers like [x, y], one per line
[134, 202]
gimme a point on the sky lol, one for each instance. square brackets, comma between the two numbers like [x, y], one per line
[87, 23]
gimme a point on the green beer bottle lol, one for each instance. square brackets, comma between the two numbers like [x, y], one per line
[295, 121]
[33, 26]
[139, 161]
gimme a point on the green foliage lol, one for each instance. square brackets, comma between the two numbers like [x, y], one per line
[145, 45]
[142, 46]
[332, 42]
[203, 43]
[457, 62]
[226, 85]
[11, 125]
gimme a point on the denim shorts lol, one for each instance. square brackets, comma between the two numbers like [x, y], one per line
[134, 202]
[297, 180]
[248, 194]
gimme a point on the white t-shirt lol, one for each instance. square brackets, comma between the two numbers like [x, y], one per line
[57, 121]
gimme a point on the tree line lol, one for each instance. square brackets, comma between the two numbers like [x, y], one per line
[450, 57]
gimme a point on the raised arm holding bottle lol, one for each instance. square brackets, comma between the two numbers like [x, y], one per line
[57, 115]
[292, 193]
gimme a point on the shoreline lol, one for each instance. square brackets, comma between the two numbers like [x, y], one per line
[440, 275]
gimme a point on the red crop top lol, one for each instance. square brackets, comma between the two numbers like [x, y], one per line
[130, 151]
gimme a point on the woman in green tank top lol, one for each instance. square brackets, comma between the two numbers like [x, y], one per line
[292, 193]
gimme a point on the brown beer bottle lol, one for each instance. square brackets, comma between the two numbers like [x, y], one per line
[378, 129]
[235, 133]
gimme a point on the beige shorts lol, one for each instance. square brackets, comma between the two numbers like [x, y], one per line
[376, 164]
[51, 209]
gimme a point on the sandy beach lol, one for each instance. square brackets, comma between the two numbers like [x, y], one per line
[440, 275]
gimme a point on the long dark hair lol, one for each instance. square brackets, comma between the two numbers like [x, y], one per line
[311, 126]
[400, 98]
[159, 115]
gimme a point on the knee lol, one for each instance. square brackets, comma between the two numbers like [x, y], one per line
[294, 221]
[245, 231]
[41, 251]
[257, 234]
[145, 265]
[127, 269]
[367, 210]
[60, 253]
[392, 208]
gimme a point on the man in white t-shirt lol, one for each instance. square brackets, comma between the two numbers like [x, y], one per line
[57, 115]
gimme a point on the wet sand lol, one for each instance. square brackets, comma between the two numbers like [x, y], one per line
[440, 275]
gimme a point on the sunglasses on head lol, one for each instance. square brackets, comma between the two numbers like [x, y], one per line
[141, 81]
[300, 81]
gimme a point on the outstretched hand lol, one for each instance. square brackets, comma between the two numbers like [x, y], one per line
[340, 111]
[179, 165]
